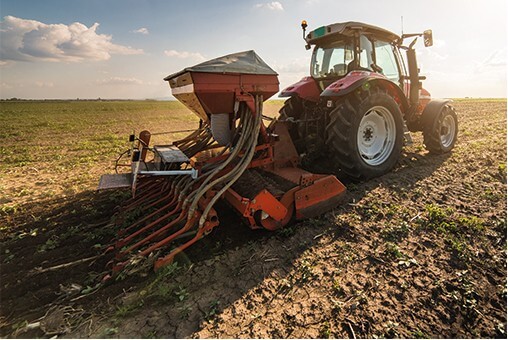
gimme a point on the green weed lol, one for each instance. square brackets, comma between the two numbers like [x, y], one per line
[325, 331]
[9, 209]
[50, 244]
[109, 331]
[126, 310]
[472, 224]
[502, 169]
[392, 250]
[213, 309]
[8, 256]
[306, 270]
[491, 195]
[181, 293]
[161, 289]
[395, 233]
[185, 311]
[436, 213]
[418, 334]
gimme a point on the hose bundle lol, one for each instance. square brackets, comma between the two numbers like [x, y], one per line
[188, 201]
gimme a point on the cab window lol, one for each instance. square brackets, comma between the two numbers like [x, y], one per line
[385, 59]
[365, 52]
[331, 60]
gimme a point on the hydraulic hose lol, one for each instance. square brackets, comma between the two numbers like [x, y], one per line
[244, 163]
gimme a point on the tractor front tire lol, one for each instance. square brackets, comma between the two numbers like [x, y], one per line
[440, 134]
[365, 134]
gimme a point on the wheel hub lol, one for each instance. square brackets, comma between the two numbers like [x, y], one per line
[447, 131]
[376, 135]
[368, 134]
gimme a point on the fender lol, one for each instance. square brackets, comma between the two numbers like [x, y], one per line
[425, 99]
[432, 109]
[364, 79]
[306, 89]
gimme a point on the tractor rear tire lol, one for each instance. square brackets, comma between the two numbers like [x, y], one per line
[440, 134]
[365, 134]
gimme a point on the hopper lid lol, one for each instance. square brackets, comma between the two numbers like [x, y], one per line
[247, 62]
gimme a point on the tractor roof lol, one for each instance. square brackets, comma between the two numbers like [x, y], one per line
[329, 32]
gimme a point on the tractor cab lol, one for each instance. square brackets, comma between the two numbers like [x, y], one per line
[345, 47]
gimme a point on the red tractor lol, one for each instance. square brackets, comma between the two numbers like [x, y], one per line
[361, 99]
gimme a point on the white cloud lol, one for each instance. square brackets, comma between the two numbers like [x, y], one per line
[273, 6]
[119, 81]
[31, 40]
[142, 30]
[185, 55]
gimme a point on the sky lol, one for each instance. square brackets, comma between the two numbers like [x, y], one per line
[67, 49]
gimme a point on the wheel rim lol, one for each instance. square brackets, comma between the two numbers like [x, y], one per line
[376, 135]
[447, 131]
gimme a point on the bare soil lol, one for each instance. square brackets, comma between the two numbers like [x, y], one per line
[417, 253]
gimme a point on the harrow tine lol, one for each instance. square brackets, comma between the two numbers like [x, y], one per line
[124, 241]
[161, 262]
[150, 192]
[149, 216]
[211, 222]
[166, 196]
[188, 225]
[152, 236]
[181, 193]
[171, 196]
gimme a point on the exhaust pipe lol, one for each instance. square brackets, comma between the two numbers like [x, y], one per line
[414, 78]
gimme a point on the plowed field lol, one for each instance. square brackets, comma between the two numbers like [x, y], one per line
[417, 253]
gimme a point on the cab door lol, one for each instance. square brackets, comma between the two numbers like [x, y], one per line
[385, 58]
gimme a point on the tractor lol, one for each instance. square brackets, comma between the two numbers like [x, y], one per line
[355, 109]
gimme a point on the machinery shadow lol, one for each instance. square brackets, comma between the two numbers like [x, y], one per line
[234, 261]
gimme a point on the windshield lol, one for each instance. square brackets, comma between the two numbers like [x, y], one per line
[331, 60]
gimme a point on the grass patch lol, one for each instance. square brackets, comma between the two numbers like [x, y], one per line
[66, 140]
[393, 251]
[395, 233]
[458, 231]
[161, 289]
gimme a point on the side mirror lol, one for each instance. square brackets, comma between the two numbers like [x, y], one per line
[427, 38]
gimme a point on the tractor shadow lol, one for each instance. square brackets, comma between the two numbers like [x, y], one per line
[229, 269]
[217, 271]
